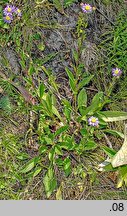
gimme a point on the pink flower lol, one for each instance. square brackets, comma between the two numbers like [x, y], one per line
[86, 8]
[9, 9]
[116, 72]
[93, 121]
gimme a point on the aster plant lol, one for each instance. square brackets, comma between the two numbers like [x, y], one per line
[116, 72]
[93, 121]
[8, 18]
[86, 8]
[18, 12]
[9, 11]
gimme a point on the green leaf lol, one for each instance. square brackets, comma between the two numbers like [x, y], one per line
[69, 2]
[61, 130]
[114, 132]
[34, 173]
[41, 46]
[48, 140]
[109, 167]
[85, 81]
[22, 156]
[59, 162]
[110, 116]
[31, 70]
[97, 98]
[49, 102]
[75, 54]
[43, 149]
[29, 166]
[49, 182]
[45, 108]
[37, 171]
[73, 86]
[58, 150]
[56, 112]
[82, 98]
[67, 109]
[84, 131]
[5, 104]
[110, 152]
[67, 166]
[52, 155]
[80, 69]
[66, 145]
[46, 59]
[67, 113]
[58, 5]
[90, 145]
[95, 105]
[71, 80]
[41, 90]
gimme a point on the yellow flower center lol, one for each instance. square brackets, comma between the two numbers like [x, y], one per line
[18, 10]
[93, 120]
[9, 9]
[116, 71]
[87, 7]
[8, 18]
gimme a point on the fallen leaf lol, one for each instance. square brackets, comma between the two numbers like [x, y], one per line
[120, 158]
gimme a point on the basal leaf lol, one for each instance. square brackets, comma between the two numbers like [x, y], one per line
[37, 171]
[50, 182]
[110, 152]
[51, 154]
[67, 166]
[43, 149]
[90, 145]
[58, 150]
[110, 116]
[114, 132]
[29, 166]
[61, 130]
[41, 90]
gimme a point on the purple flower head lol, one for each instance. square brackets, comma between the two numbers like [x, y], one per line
[86, 8]
[93, 121]
[116, 72]
[9, 9]
[18, 12]
[8, 18]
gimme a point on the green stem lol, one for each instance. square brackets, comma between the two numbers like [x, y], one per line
[111, 87]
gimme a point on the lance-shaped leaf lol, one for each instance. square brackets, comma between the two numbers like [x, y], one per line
[72, 81]
[110, 116]
[50, 182]
[95, 105]
[82, 98]
[120, 158]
